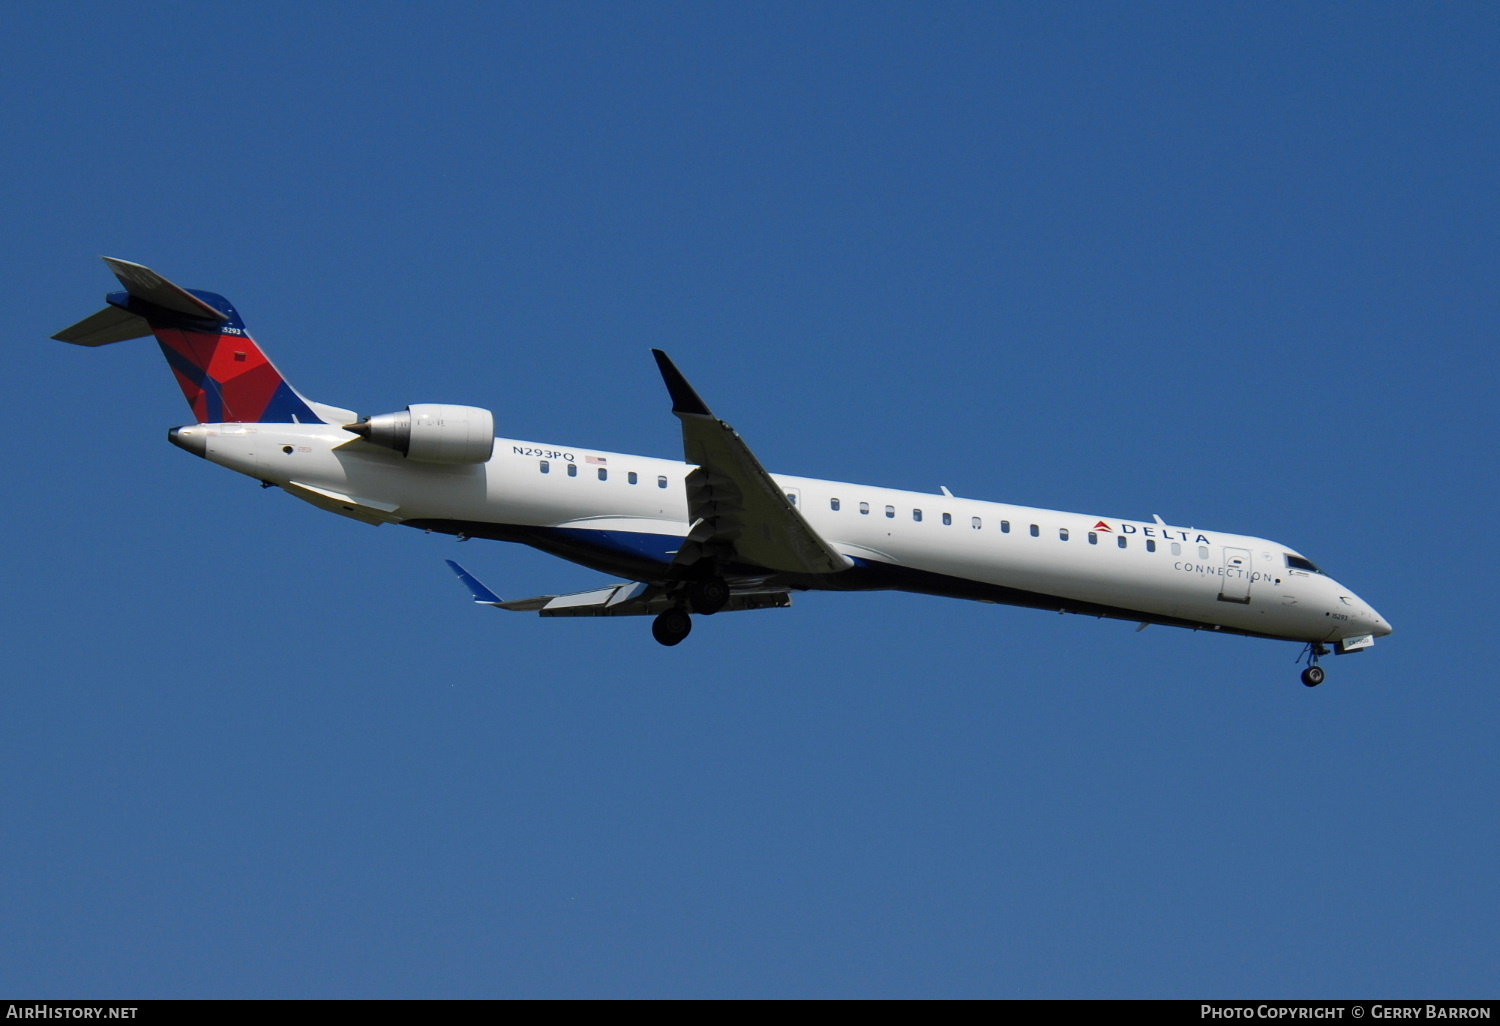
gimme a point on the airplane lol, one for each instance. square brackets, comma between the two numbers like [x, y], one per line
[714, 532]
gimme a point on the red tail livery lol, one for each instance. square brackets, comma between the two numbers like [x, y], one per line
[224, 375]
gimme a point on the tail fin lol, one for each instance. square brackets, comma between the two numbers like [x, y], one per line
[223, 373]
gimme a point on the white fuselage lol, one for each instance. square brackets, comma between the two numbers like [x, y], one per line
[916, 541]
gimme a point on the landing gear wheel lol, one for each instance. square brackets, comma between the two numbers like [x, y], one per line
[1313, 676]
[708, 597]
[671, 627]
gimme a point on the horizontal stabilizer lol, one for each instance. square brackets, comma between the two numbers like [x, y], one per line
[225, 377]
[108, 325]
[146, 285]
[115, 323]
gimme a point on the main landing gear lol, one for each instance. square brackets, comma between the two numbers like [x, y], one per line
[671, 627]
[708, 596]
[1314, 674]
[705, 597]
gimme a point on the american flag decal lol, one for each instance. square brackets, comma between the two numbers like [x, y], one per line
[597, 459]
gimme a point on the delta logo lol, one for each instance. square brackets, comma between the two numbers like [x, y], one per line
[1155, 531]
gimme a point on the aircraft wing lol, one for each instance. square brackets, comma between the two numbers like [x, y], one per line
[632, 598]
[738, 511]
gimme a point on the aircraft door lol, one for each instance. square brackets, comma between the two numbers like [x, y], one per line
[1235, 584]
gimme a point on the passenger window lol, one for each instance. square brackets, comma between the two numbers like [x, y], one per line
[1005, 527]
[916, 515]
[1202, 551]
[661, 482]
[1062, 534]
[632, 477]
[1093, 538]
[572, 470]
[1122, 541]
[833, 504]
[890, 511]
[864, 508]
[1176, 549]
[603, 474]
[791, 497]
[1036, 532]
[1150, 545]
[546, 467]
[947, 518]
[976, 523]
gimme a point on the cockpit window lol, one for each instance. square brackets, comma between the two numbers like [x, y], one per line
[1298, 563]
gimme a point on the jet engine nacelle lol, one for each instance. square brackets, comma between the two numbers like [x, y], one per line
[433, 433]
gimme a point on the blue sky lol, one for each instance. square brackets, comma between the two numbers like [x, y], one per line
[1233, 263]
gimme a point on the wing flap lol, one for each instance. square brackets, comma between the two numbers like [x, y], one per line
[631, 598]
[640, 599]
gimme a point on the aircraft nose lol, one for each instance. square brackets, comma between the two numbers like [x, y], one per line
[1378, 625]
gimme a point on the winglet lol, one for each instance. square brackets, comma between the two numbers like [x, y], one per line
[482, 595]
[684, 399]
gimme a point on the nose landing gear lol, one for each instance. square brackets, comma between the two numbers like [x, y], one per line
[1314, 674]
